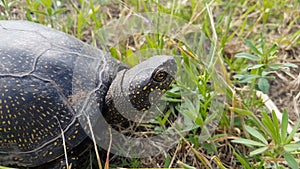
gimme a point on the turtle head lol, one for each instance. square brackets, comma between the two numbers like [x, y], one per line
[135, 90]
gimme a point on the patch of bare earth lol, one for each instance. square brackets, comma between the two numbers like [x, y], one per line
[285, 89]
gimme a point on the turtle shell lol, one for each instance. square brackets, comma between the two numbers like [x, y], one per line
[46, 79]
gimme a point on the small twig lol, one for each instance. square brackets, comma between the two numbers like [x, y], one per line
[64, 143]
[108, 151]
[174, 156]
[94, 141]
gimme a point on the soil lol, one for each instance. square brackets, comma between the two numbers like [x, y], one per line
[285, 89]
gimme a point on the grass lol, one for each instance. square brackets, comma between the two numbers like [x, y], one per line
[229, 51]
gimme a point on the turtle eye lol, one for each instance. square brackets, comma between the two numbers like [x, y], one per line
[160, 76]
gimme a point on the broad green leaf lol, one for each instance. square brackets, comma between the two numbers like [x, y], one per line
[252, 47]
[247, 56]
[263, 85]
[290, 65]
[292, 147]
[248, 142]
[284, 125]
[258, 151]
[282, 65]
[275, 66]
[245, 78]
[291, 161]
[256, 66]
[256, 134]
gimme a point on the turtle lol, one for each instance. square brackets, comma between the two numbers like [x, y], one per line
[51, 82]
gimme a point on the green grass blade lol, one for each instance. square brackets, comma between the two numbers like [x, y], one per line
[2, 167]
[291, 161]
[247, 56]
[256, 66]
[185, 166]
[292, 147]
[276, 124]
[284, 126]
[272, 50]
[258, 151]
[219, 163]
[244, 163]
[245, 78]
[291, 135]
[252, 47]
[270, 126]
[242, 111]
[248, 142]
